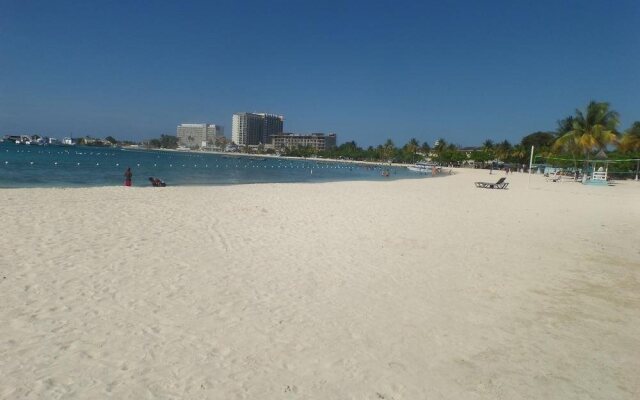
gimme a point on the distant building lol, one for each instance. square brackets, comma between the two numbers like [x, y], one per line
[318, 141]
[18, 139]
[198, 135]
[255, 128]
[271, 125]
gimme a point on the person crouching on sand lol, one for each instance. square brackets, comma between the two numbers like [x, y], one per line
[127, 177]
[157, 182]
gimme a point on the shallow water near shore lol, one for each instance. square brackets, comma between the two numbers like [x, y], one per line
[79, 166]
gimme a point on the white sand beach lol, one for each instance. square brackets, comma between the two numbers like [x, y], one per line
[414, 289]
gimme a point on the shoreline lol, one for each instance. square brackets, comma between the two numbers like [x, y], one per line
[232, 154]
[86, 166]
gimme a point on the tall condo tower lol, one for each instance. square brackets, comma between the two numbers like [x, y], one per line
[255, 128]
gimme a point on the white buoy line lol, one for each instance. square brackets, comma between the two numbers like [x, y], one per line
[226, 165]
[249, 165]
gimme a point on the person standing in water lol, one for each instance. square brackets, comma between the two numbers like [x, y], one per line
[127, 177]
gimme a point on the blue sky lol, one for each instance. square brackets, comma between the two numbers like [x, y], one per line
[368, 71]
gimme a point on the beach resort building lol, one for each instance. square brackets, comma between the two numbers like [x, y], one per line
[255, 128]
[198, 135]
[318, 141]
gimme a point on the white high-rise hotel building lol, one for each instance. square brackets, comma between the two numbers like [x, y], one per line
[198, 135]
[255, 128]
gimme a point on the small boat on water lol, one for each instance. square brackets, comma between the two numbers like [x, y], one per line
[424, 167]
[68, 142]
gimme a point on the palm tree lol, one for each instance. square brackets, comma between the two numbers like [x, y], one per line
[388, 150]
[631, 140]
[564, 126]
[425, 149]
[412, 147]
[593, 130]
[519, 153]
[487, 148]
[439, 145]
[502, 150]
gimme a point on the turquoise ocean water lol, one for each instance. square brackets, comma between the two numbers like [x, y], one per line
[76, 166]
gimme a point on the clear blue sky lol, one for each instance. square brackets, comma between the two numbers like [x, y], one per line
[366, 70]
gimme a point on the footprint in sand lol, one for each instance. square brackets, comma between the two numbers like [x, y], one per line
[292, 389]
[396, 366]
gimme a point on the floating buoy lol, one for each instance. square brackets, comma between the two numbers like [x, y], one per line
[55, 163]
[31, 163]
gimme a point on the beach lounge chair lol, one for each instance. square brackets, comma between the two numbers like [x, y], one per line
[555, 177]
[501, 184]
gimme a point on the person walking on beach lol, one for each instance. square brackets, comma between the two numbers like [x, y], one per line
[127, 177]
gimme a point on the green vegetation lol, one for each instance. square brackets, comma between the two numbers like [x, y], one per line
[582, 136]
[579, 136]
[165, 142]
[630, 142]
[588, 132]
[91, 141]
[541, 140]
